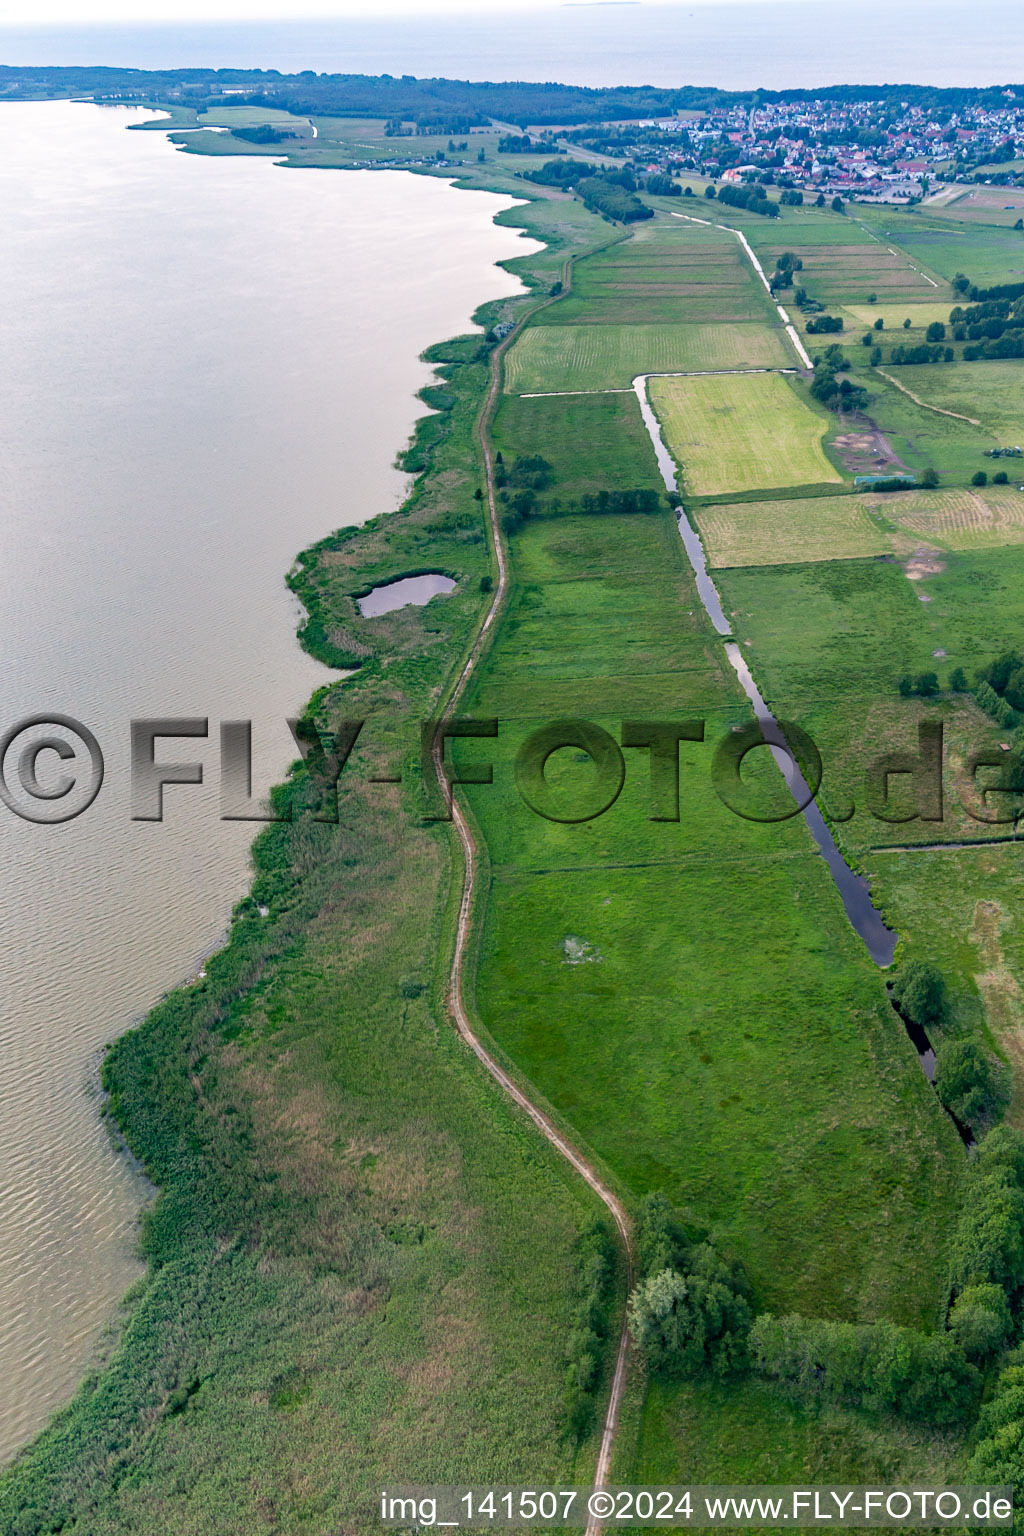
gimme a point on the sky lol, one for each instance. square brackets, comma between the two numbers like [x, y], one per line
[40, 13]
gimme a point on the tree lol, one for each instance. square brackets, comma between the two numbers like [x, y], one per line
[963, 1079]
[837, 205]
[687, 190]
[481, 155]
[929, 477]
[919, 992]
[872, 298]
[709, 191]
[988, 1245]
[960, 283]
[906, 686]
[906, 324]
[1000, 478]
[935, 332]
[979, 478]
[1019, 224]
[661, 1241]
[692, 1324]
[958, 680]
[875, 357]
[819, 201]
[880, 323]
[926, 685]
[999, 1453]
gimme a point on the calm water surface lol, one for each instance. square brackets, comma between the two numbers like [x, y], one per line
[193, 387]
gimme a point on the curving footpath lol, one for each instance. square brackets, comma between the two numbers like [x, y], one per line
[456, 1003]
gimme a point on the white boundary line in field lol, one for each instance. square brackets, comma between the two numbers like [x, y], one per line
[667, 373]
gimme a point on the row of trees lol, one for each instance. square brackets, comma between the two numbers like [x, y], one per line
[753, 198]
[595, 1271]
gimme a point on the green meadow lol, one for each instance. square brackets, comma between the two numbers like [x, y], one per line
[554, 357]
[741, 433]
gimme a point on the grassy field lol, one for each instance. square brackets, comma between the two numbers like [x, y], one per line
[666, 271]
[702, 1433]
[784, 532]
[965, 904]
[990, 392]
[987, 253]
[741, 433]
[921, 437]
[848, 273]
[728, 1084]
[962, 519]
[555, 357]
[829, 641]
[618, 448]
[893, 315]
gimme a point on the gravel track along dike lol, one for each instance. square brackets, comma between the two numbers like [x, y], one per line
[456, 1004]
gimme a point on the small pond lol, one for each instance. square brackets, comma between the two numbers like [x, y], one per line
[399, 594]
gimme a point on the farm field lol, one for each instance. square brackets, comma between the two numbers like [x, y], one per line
[828, 643]
[741, 433]
[848, 274]
[592, 629]
[555, 357]
[959, 519]
[987, 253]
[784, 532]
[991, 392]
[618, 448]
[852, 627]
[919, 314]
[989, 205]
[920, 437]
[664, 272]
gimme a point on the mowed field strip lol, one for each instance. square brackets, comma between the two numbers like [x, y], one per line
[790, 532]
[548, 358]
[741, 432]
[962, 519]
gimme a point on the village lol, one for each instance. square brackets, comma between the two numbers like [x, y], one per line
[875, 150]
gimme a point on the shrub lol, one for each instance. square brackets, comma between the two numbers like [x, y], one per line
[988, 1245]
[980, 1321]
[877, 1365]
[692, 1324]
[979, 478]
[963, 1079]
[1000, 478]
[919, 992]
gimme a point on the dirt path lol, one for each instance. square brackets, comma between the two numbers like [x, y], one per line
[456, 1003]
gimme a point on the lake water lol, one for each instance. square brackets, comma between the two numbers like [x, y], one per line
[734, 44]
[206, 365]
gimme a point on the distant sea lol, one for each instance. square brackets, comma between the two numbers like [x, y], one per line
[733, 44]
